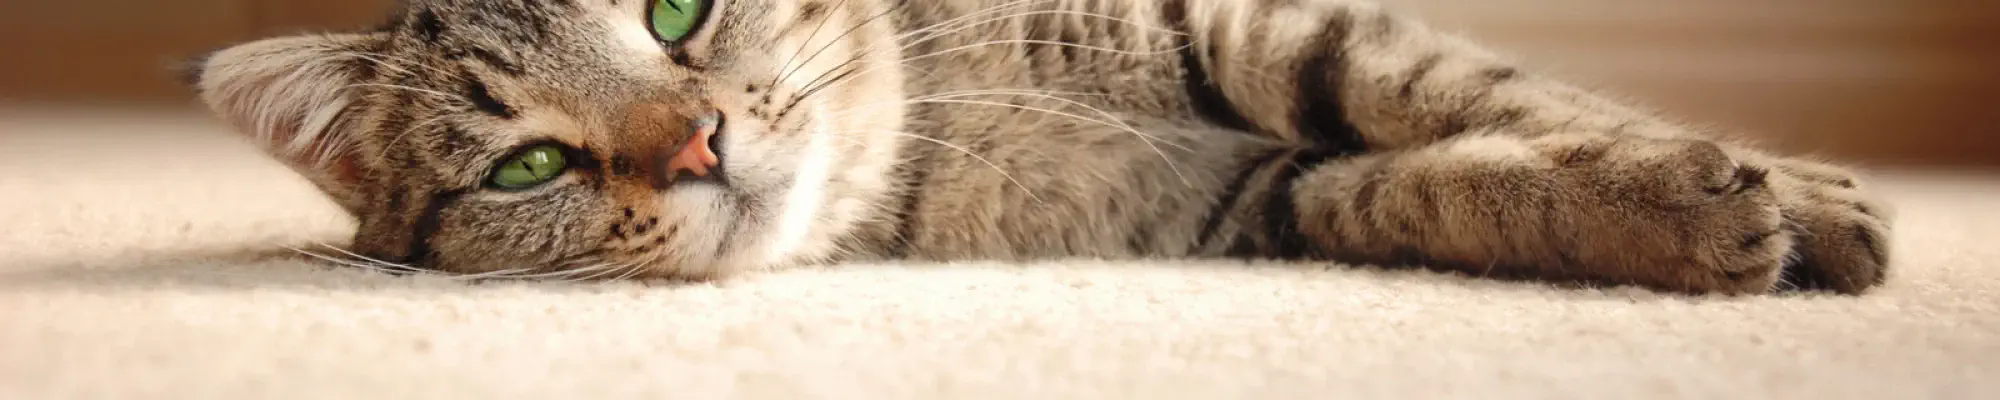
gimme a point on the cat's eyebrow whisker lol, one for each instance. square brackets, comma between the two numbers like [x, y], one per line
[433, 68]
[982, 159]
[413, 128]
[378, 60]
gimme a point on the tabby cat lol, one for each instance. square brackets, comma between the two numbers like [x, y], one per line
[694, 139]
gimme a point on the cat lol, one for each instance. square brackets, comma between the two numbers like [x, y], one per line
[699, 139]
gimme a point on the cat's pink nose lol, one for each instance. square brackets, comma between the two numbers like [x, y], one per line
[698, 155]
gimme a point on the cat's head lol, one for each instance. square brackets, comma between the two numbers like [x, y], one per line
[475, 136]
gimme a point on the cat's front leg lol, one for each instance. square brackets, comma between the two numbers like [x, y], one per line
[1476, 164]
[1679, 215]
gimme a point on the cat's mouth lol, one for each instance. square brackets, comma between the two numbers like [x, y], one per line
[715, 145]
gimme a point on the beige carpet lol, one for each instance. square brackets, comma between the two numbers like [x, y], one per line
[143, 262]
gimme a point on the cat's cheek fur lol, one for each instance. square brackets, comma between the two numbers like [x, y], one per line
[713, 222]
[808, 193]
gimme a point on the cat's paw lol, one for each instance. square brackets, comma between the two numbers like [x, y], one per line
[1693, 216]
[1674, 214]
[1842, 231]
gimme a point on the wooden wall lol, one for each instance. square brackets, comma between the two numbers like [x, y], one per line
[1883, 81]
[125, 51]
[1878, 81]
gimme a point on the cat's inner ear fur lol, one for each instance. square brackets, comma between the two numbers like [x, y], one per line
[293, 97]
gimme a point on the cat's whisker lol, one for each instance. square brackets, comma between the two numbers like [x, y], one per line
[811, 89]
[495, 274]
[797, 98]
[600, 271]
[939, 34]
[967, 17]
[934, 28]
[352, 263]
[1149, 139]
[342, 262]
[1030, 93]
[803, 43]
[936, 35]
[631, 270]
[856, 57]
[1171, 165]
[369, 259]
[982, 159]
[973, 14]
[1047, 42]
[365, 262]
[1785, 279]
[362, 262]
[1020, 90]
[446, 96]
[815, 85]
[830, 42]
[560, 274]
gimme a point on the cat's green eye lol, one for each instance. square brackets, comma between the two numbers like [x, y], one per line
[527, 168]
[673, 20]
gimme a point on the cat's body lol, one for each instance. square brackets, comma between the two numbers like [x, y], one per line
[997, 130]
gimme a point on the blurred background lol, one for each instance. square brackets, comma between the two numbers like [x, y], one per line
[1874, 82]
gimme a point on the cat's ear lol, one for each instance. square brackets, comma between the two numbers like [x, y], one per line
[291, 97]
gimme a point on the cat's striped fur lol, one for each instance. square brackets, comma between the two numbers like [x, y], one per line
[1013, 130]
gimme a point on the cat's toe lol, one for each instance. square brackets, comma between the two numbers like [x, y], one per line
[1740, 244]
[1843, 237]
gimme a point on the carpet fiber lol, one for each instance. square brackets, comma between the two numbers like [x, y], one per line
[144, 259]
